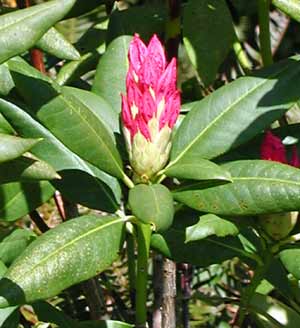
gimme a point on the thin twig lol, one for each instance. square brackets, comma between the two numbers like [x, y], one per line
[39, 222]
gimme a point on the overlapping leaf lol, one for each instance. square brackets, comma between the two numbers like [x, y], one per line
[72, 252]
[67, 118]
[21, 29]
[73, 170]
[258, 187]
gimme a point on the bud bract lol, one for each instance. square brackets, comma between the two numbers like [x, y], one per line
[150, 107]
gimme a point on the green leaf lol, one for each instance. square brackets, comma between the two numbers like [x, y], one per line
[111, 72]
[82, 7]
[26, 169]
[210, 225]
[56, 44]
[48, 313]
[152, 204]
[72, 252]
[3, 269]
[253, 101]
[19, 199]
[98, 106]
[85, 134]
[258, 187]
[5, 127]
[92, 193]
[289, 7]
[9, 317]
[12, 147]
[144, 20]
[14, 244]
[291, 260]
[277, 276]
[29, 25]
[274, 311]
[75, 69]
[208, 35]
[104, 324]
[211, 250]
[195, 168]
[6, 81]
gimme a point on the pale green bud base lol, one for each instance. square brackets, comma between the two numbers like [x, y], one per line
[148, 157]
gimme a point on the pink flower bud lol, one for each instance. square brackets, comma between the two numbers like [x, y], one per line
[273, 149]
[150, 107]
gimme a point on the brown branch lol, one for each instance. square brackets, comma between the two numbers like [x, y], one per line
[169, 294]
[158, 290]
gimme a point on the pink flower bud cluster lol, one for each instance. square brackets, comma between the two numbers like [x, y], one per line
[273, 149]
[151, 89]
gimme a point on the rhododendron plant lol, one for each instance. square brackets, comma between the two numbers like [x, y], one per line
[150, 108]
[97, 172]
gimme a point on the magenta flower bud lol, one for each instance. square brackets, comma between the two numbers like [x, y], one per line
[278, 225]
[150, 108]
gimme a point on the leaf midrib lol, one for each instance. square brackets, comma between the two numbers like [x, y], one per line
[70, 243]
[297, 183]
[233, 105]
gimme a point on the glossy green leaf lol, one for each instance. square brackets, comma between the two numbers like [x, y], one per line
[97, 189]
[19, 199]
[274, 311]
[208, 35]
[258, 187]
[144, 19]
[3, 269]
[211, 250]
[29, 25]
[210, 225]
[54, 43]
[105, 324]
[277, 276]
[111, 72]
[6, 81]
[253, 101]
[195, 168]
[289, 7]
[72, 252]
[26, 169]
[85, 133]
[14, 244]
[291, 260]
[75, 69]
[5, 127]
[82, 7]
[12, 147]
[91, 45]
[48, 313]
[152, 204]
[98, 106]
[9, 317]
